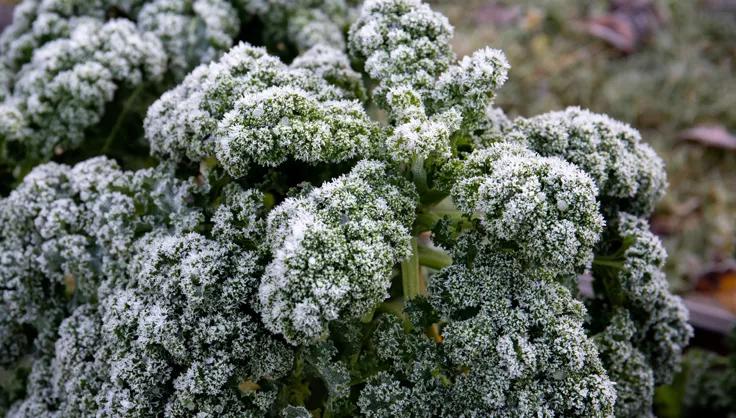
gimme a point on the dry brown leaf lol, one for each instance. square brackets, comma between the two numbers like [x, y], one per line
[715, 136]
[719, 282]
[615, 30]
[498, 14]
[629, 24]
[726, 292]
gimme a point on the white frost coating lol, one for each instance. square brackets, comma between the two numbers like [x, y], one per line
[177, 323]
[192, 32]
[627, 366]
[471, 85]
[63, 90]
[543, 208]
[249, 108]
[514, 344]
[405, 47]
[625, 169]
[333, 65]
[416, 136]
[268, 126]
[641, 288]
[63, 62]
[68, 231]
[333, 251]
[401, 42]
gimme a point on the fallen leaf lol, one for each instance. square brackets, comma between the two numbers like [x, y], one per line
[715, 136]
[628, 25]
[726, 292]
[719, 282]
[498, 14]
[615, 30]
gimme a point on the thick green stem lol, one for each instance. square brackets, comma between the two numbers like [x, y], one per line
[608, 262]
[425, 222]
[428, 217]
[433, 258]
[419, 175]
[410, 279]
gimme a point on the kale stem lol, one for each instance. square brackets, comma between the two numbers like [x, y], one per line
[604, 262]
[410, 273]
[433, 258]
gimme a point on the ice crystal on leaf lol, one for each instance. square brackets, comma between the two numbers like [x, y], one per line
[542, 208]
[306, 208]
[333, 251]
[627, 171]
[249, 108]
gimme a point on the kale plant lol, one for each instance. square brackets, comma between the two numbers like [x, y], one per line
[311, 208]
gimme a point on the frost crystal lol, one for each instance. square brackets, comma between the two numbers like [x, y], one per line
[186, 309]
[401, 42]
[542, 208]
[635, 282]
[514, 345]
[333, 251]
[628, 172]
[67, 229]
[627, 366]
[192, 31]
[249, 108]
[405, 47]
[63, 90]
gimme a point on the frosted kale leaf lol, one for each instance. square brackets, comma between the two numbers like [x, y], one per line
[302, 24]
[512, 344]
[471, 85]
[519, 339]
[628, 275]
[186, 309]
[405, 47]
[627, 171]
[332, 65]
[63, 90]
[37, 22]
[541, 208]
[66, 379]
[401, 42]
[627, 367]
[249, 108]
[71, 228]
[191, 31]
[240, 217]
[83, 72]
[414, 382]
[415, 135]
[491, 128]
[333, 251]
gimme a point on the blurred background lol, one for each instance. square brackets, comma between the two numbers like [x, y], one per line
[667, 67]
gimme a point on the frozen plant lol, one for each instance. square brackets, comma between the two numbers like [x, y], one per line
[301, 208]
